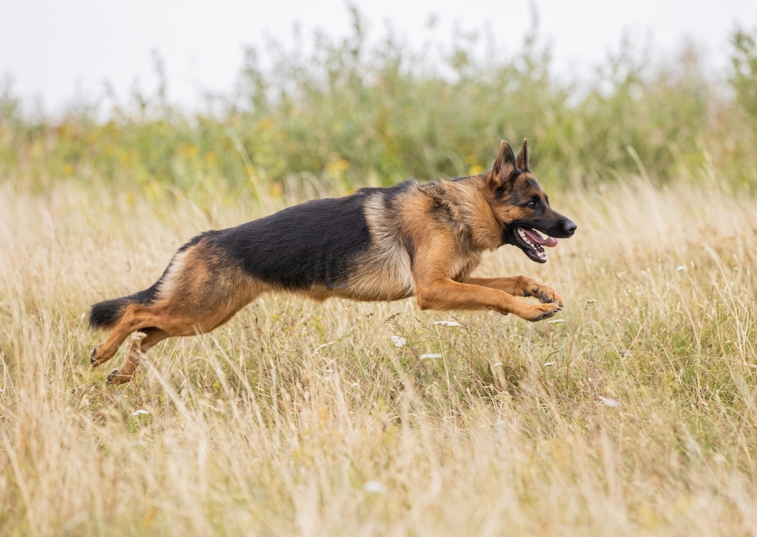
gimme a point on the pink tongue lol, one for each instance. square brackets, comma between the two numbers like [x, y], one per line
[549, 242]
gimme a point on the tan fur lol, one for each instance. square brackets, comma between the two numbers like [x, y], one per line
[384, 273]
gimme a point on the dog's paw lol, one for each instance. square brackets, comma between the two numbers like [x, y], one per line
[111, 375]
[93, 357]
[116, 379]
[546, 295]
[538, 312]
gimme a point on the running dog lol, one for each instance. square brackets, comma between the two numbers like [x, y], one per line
[411, 239]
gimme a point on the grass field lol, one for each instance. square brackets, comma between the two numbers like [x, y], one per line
[631, 413]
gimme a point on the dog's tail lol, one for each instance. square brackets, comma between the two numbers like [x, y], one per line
[106, 314]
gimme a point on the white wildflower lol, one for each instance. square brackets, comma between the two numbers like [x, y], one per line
[140, 412]
[374, 486]
[399, 341]
[447, 323]
[612, 403]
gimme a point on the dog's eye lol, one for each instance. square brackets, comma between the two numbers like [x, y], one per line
[532, 204]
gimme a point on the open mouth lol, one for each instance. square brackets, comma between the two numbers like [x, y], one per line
[532, 243]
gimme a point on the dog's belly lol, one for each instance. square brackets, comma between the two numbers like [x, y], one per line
[380, 287]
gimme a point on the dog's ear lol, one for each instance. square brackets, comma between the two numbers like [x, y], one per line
[504, 166]
[522, 160]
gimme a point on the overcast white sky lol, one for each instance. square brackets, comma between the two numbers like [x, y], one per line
[54, 48]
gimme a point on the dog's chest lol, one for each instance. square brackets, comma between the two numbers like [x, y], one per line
[462, 264]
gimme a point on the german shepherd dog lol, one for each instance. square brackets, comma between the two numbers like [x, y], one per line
[377, 244]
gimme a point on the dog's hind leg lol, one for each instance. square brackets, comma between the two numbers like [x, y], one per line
[172, 318]
[126, 372]
[201, 291]
[136, 317]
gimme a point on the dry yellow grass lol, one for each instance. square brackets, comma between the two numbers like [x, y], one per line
[632, 413]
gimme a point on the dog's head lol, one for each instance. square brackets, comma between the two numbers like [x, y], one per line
[521, 206]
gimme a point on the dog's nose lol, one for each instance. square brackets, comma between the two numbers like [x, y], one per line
[569, 227]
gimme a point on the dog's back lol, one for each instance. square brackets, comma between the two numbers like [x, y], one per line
[314, 243]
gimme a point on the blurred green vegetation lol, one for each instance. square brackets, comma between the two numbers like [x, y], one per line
[744, 77]
[354, 111]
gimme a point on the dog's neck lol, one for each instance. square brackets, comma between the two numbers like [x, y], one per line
[471, 211]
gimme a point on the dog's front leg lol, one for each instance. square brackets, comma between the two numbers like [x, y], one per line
[434, 289]
[519, 286]
[446, 294]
